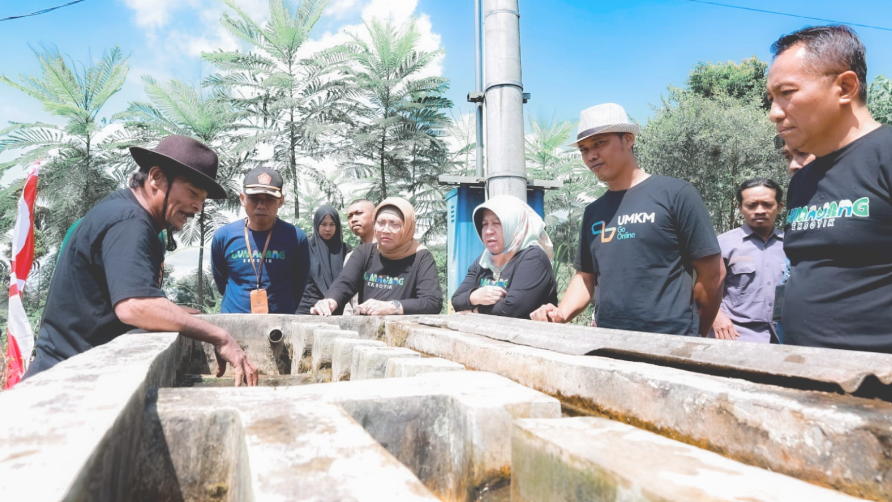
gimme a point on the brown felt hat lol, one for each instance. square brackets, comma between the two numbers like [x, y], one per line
[186, 157]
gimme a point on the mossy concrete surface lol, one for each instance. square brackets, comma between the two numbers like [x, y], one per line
[69, 433]
[370, 362]
[595, 459]
[402, 367]
[840, 442]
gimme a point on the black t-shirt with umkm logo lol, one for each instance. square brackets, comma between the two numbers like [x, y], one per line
[639, 243]
[838, 237]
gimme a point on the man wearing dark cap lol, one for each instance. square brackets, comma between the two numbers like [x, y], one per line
[108, 277]
[261, 263]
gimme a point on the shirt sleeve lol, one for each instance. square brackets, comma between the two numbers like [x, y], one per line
[461, 299]
[696, 235]
[584, 262]
[428, 297]
[530, 287]
[310, 297]
[349, 280]
[218, 261]
[301, 266]
[131, 258]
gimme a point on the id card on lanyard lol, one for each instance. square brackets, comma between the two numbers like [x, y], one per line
[259, 303]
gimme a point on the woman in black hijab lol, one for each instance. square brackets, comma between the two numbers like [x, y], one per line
[327, 253]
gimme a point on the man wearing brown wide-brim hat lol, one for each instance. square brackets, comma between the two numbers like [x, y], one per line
[108, 277]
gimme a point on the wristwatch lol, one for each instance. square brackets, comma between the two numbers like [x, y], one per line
[398, 306]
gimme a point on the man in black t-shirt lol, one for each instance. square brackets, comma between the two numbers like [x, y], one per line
[839, 225]
[108, 277]
[640, 241]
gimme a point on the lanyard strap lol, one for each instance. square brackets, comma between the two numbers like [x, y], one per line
[257, 273]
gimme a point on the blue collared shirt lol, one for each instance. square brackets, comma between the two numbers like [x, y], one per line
[754, 268]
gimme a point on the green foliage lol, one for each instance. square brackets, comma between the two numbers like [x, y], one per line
[879, 99]
[745, 81]
[399, 123]
[548, 157]
[716, 144]
[295, 104]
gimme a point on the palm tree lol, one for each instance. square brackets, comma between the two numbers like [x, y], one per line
[290, 103]
[548, 158]
[399, 113]
[76, 173]
[177, 108]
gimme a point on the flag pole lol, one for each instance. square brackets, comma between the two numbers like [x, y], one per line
[20, 337]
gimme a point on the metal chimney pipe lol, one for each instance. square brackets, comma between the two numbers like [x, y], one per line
[478, 85]
[503, 100]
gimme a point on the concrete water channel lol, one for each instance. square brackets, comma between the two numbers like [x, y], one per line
[450, 408]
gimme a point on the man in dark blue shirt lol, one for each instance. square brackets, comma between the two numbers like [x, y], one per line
[249, 283]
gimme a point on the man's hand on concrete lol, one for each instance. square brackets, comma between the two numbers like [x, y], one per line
[230, 352]
[723, 327]
[487, 295]
[548, 313]
[324, 307]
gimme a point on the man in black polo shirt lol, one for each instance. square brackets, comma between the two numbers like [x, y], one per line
[838, 232]
[640, 241]
[108, 277]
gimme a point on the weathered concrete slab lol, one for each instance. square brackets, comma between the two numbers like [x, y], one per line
[252, 332]
[453, 430]
[323, 344]
[370, 362]
[837, 441]
[255, 446]
[67, 433]
[405, 367]
[827, 369]
[342, 356]
[594, 459]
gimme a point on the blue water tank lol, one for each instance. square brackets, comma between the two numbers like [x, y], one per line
[463, 243]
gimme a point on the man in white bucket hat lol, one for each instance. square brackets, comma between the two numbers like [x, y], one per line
[640, 241]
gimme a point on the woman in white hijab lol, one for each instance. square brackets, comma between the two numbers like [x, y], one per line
[513, 276]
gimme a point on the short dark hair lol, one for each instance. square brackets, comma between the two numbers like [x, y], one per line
[830, 49]
[357, 201]
[761, 182]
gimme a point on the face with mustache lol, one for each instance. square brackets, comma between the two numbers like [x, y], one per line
[184, 201]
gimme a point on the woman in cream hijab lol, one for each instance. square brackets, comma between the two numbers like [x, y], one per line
[513, 276]
[394, 275]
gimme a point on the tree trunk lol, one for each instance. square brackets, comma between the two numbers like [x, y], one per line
[202, 235]
[381, 153]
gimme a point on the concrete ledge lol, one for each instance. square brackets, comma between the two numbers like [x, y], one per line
[405, 367]
[210, 446]
[323, 343]
[585, 459]
[836, 441]
[452, 430]
[370, 362]
[342, 356]
[68, 433]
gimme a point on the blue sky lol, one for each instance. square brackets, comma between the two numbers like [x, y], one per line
[575, 53]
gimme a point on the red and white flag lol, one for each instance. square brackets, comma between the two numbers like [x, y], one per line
[20, 339]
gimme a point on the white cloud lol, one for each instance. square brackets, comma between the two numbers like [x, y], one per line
[395, 11]
[339, 9]
[156, 13]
